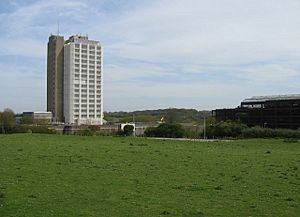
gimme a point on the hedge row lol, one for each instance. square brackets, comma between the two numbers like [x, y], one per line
[239, 130]
[32, 129]
[258, 132]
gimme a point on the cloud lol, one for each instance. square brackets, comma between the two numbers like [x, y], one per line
[207, 32]
[193, 53]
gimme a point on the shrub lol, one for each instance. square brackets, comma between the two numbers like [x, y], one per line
[258, 132]
[166, 131]
[237, 129]
[86, 132]
[128, 130]
[42, 129]
[291, 140]
[7, 121]
[20, 129]
[33, 129]
[225, 129]
[94, 128]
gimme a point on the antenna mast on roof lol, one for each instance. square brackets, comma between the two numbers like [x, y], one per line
[58, 26]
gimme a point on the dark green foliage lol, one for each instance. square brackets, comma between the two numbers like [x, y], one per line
[128, 130]
[22, 128]
[7, 121]
[8, 124]
[94, 128]
[241, 116]
[41, 129]
[171, 115]
[258, 132]
[291, 140]
[225, 129]
[166, 131]
[238, 130]
[193, 132]
[150, 132]
[26, 120]
[86, 132]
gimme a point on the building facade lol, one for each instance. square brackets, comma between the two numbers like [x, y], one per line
[38, 117]
[81, 79]
[55, 73]
[83, 83]
[280, 111]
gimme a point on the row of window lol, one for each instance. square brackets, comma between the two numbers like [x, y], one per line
[91, 71]
[85, 101]
[85, 96]
[77, 51]
[84, 57]
[91, 56]
[84, 66]
[84, 111]
[85, 86]
[91, 77]
[85, 116]
[85, 91]
[84, 106]
[85, 81]
[91, 62]
[84, 46]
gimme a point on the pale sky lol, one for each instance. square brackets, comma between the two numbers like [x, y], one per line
[202, 54]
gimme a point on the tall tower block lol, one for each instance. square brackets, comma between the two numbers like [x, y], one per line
[55, 75]
[83, 81]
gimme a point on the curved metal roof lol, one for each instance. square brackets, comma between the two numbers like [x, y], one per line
[272, 97]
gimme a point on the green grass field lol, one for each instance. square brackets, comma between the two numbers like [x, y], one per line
[54, 175]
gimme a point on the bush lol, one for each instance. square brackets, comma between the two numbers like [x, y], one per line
[86, 132]
[166, 131]
[258, 132]
[42, 129]
[225, 129]
[291, 140]
[237, 129]
[32, 129]
[94, 128]
[7, 121]
[128, 130]
[21, 129]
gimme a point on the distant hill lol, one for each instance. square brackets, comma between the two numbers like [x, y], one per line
[171, 115]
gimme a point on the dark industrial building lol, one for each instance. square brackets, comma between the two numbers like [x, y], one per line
[281, 111]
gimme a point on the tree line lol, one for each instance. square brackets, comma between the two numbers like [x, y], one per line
[170, 115]
[8, 124]
[168, 129]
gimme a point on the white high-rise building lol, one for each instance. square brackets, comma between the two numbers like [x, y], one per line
[83, 81]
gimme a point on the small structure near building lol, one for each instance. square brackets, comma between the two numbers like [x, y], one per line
[37, 117]
[121, 126]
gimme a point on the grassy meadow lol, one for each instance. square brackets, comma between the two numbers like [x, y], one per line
[55, 175]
